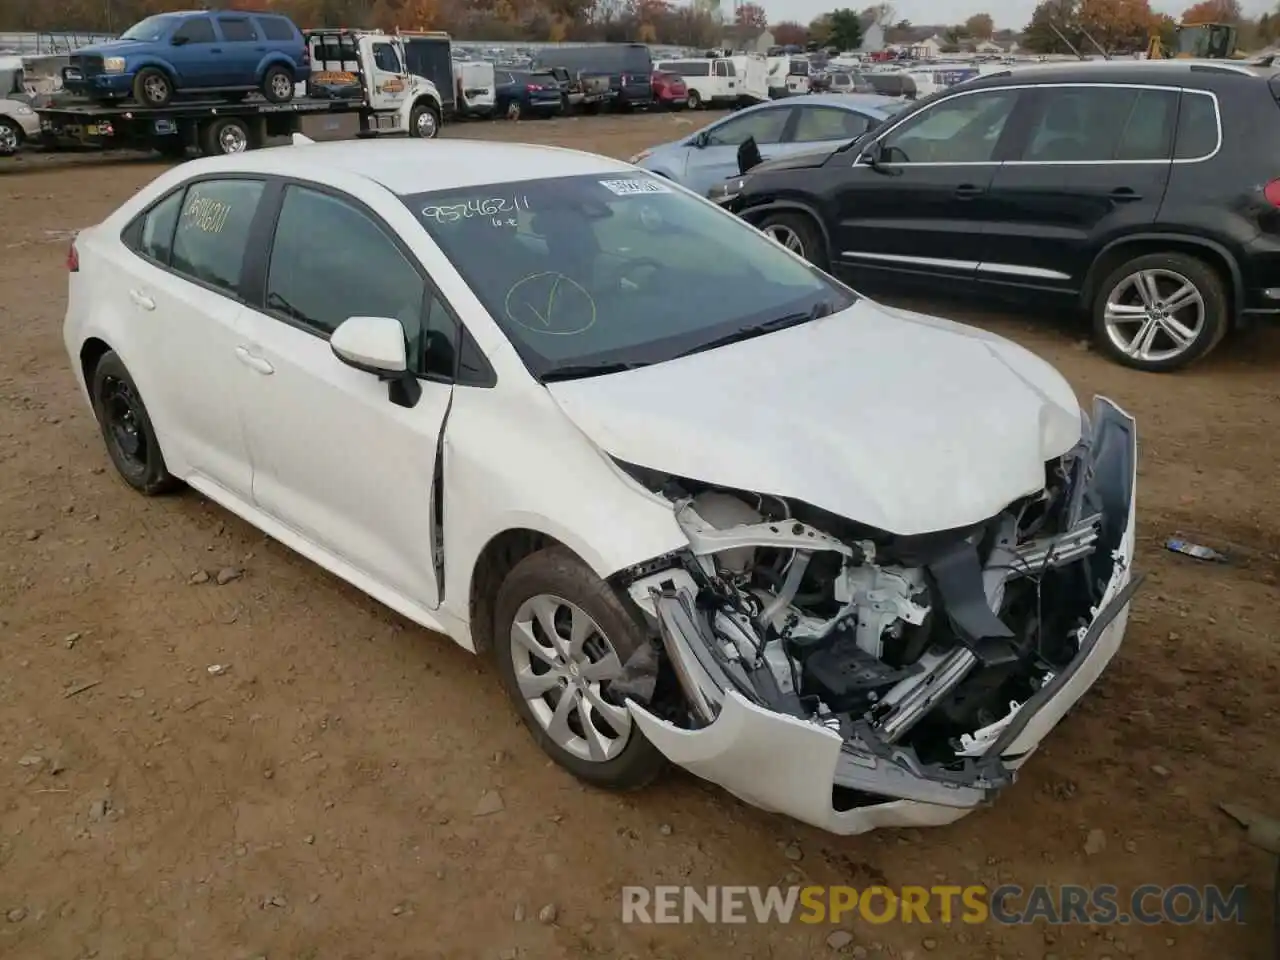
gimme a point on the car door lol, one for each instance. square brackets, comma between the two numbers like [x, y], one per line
[197, 54]
[714, 156]
[242, 50]
[335, 460]
[915, 200]
[185, 293]
[1092, 164]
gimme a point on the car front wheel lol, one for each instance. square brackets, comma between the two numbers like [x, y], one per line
[1161, 311]
[561, 637]
[152, 88]
[798, 233]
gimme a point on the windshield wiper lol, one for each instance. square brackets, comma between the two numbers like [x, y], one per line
[820, 309]
[577, 371]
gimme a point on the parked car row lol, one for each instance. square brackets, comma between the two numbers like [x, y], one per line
[1142, 194]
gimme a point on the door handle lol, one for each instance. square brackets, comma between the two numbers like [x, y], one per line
[253, 361]
[967, 190]
[1125, 195]
[142, 300]
[215, 49]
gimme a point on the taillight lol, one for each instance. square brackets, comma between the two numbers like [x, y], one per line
[626, 79]
[533, 87]
[1272, 192]
[73, 258]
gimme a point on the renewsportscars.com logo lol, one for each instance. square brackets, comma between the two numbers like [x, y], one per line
[1148, 904]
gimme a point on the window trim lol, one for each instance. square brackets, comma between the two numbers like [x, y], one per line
[861, 159]
[263, 239]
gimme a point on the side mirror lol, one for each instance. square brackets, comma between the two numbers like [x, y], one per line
[178, 40]
[701, 139]
[376, 345]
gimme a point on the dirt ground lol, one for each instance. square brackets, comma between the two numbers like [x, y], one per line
[318, 799]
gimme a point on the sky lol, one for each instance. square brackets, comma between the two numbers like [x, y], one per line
[1011, 13]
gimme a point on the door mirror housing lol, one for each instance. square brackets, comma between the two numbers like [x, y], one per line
[178, 40]
[372, 344]
[376, 345]
[701, 139]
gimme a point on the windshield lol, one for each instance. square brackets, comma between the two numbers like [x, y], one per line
[588, 273]
[150, 29]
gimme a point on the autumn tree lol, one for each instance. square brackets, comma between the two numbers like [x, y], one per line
[1050, 22]
[980, 26]
[789, 33]
[1214, 11]
[751, 19]
[1118, 25]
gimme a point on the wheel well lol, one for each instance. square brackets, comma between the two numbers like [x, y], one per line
[496, 560]
[754, 217]
[91, 353]
[426, 101]
[1118, 254]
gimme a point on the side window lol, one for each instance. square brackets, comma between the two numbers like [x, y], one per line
[962, 129]
[213, 231]
[765, 125]
[721, 68]
[829, 123]
[438, 348]
[154, 236]
[195, 30]
[1197, 127]
[1101, 123]
[385, 58]
[237, 29]
[276, 28]
[331, 261]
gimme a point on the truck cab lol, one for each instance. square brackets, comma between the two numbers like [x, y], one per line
[374, 62]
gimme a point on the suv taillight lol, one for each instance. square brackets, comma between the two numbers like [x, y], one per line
[1272, 192]
[73, 258]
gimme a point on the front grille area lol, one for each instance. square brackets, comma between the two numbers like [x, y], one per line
[89, 65]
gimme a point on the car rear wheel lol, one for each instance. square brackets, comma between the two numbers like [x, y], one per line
[797, 233]
[126, 428]
[561, 637]
[152, 87]
[513, 110]
[10, 138]
[694, 100]
[1161, 311]
[277, 85]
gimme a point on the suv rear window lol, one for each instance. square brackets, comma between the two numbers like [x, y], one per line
[276, 28]
[1197, 127]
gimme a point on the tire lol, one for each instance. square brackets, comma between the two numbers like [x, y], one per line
[695, 100]
[424, 122]
[224, 137]
[152, 87]
[797, 233]
[555, 579]
[513, 111]
[127, 430]
[1148, 331]
[277, 84]
[10, 138]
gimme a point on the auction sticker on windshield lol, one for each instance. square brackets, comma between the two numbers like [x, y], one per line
[634, 187]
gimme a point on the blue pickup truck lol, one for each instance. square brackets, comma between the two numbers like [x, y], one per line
[230, 53]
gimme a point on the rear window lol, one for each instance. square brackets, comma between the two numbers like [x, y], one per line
[276, 28]
[544, 79]
[1198, 133]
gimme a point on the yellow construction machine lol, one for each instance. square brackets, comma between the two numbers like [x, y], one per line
[1198, 41]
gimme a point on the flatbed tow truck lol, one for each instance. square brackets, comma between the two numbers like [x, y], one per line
[359, 87]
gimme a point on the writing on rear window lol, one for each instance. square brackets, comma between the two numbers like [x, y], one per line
[209, 216]
[631, 188]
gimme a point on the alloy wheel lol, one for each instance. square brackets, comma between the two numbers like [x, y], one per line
[157, 89]
[8, 139]
[786, 237]
[232, 139]
[281, 86]
[563, 664]
[426, 124]
[1155, 315]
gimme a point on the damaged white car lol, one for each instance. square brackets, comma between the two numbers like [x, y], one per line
[700, 501]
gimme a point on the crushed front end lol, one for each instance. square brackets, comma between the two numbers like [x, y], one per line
[854, 679]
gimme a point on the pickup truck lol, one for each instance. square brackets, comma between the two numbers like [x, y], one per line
[582, 90]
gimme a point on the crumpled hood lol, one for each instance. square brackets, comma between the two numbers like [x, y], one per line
[903, 422]
[796, 161]
[110, 48]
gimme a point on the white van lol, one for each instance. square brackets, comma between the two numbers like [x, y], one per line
[753, 78]
[476, 87]
[710, 81]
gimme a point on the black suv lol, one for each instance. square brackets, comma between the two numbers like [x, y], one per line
[1146, 192]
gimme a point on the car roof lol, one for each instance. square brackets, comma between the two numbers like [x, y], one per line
[854, 102]
[1117, 71]
[410, 166]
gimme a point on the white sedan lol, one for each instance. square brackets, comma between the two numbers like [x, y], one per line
[698, 500]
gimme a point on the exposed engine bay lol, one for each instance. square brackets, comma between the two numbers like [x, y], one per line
[919, 651]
